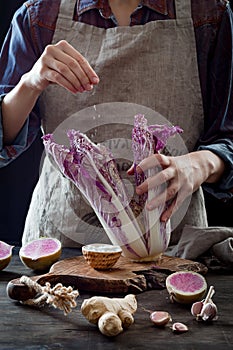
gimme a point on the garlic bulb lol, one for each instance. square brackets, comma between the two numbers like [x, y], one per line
[205, 310]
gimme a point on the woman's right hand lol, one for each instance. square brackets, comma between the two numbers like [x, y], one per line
[61, 64]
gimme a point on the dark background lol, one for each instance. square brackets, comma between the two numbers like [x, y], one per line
[18, 179]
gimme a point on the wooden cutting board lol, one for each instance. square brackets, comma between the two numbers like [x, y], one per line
[125, 277]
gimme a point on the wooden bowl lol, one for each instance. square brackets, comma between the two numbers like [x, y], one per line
[101, 256]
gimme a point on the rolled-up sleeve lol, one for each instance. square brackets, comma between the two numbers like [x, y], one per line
[218, 135]
[17, 57]
[10, 152]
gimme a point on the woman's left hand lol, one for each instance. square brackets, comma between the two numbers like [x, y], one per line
[182, 176]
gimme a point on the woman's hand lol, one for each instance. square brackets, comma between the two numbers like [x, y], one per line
[182, 176]
[61, 64]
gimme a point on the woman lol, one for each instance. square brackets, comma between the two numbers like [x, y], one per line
[171, 56]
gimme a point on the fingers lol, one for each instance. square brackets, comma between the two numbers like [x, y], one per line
[165, 195]
[170, 209]
[172, 184]
[68, 68]
[79, 65]
[172, 180]
[163, 176]
[130, 171]
[173, 205]
[155, 160]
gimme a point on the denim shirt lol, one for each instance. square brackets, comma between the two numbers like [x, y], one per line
[32, 29]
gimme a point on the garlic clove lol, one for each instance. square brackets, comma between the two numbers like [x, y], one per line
[196, 308]
[179, 327]
[160, 318]
[209, 312]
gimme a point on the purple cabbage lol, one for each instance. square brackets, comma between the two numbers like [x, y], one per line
[93, 170]
[146, 141]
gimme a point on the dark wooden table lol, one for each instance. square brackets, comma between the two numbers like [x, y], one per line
[24, 327]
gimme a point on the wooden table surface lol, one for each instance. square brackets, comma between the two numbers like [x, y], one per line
[28, 328]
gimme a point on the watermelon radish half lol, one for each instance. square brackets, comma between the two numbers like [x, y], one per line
[41, 253]
[186, 286]
[5, 254]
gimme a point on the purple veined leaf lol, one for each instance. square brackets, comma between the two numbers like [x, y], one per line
[161, 134]
[147, 140]
[85, 158]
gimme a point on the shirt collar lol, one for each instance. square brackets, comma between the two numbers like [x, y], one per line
[159, 6]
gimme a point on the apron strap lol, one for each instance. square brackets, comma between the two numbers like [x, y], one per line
[183, 9]
[67, 8]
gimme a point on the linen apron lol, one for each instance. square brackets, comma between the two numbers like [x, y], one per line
[152, 65]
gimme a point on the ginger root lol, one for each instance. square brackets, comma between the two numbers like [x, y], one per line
[111, 314]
